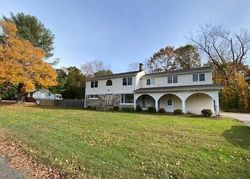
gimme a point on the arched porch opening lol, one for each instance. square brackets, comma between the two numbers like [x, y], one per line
[145, 101]
[199, 101]
[170, 102]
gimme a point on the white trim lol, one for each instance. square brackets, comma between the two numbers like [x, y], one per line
[126, 103]
[89, 96]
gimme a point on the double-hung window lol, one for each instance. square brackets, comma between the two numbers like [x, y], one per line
[150, 81]
[127, 98]
[94, 84]
[202, 77]
[198, 77]
[127, 81]
[173, 79]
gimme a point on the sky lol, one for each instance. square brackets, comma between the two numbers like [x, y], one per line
[122, 32]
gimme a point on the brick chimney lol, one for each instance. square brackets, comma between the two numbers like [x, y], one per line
[141, 67]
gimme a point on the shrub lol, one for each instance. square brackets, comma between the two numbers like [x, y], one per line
[177, 111]
[116, 108]
[128, 109]
[190, 113]
[92, 107]
[161, 110]
[206, 112]
[138, 108]
[151, 109]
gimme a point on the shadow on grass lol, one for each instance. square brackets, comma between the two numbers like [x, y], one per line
[105, 111]
[238, 136]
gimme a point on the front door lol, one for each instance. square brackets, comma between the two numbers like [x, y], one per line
[109, 100]
[170, 106]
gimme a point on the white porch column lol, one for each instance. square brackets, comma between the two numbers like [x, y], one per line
[156, 98]
[183, 101]
[135, 97]
[85, 101]
[217, 104]
[157, 105]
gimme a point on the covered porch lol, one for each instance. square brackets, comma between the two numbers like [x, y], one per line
[188, 99]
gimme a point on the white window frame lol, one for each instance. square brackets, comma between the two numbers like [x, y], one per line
[111, 83]
[171, 81]
[151, 81]
[126, 81]
[93, 96]
[170, 102]
[95, 84]
[199, 77]
[123, 97]
[148, 80]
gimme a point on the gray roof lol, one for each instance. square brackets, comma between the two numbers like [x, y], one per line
[115, 75]
[133, 73]
[180, 88]
[184, 71]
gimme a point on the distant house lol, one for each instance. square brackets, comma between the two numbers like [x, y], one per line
[189, 90]
[44, 94]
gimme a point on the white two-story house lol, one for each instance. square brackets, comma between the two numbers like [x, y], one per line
[189, 90]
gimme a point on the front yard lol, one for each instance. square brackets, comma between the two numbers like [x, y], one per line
[130, 145]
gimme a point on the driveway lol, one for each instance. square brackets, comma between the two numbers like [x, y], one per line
[6, 172]
[244, 117]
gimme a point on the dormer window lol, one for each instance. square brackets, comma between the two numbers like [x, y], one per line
[198, 77]
[127, 81]
[109, 83]
[94, 84]
[173, 79]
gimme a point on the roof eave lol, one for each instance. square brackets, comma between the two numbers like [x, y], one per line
[179, 88]
[128, 74]
[180, 72]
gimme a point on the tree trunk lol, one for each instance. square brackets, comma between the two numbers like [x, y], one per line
[1, 99]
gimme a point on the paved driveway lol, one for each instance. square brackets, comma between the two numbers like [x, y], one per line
[244, 117]
[6, 172]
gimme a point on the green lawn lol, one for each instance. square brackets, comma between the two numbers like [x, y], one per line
[130, 145]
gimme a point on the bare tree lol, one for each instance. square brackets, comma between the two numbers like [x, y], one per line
[223, 47]
[227, 52]
[92, 67]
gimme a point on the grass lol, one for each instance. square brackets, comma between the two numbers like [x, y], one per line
[131, 145]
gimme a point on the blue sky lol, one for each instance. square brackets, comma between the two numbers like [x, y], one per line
[123, 32]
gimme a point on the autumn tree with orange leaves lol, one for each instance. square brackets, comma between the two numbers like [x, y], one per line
[22, 63]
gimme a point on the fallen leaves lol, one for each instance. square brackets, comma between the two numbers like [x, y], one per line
[26, 164]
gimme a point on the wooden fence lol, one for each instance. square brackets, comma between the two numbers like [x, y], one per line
[66, 103]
